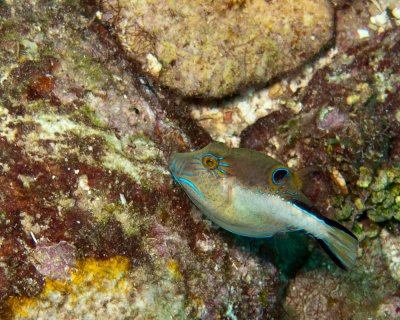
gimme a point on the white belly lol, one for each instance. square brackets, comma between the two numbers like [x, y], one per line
[260, 215]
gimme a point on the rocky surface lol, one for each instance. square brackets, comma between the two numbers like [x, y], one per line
[352, 129]
[92, 225]
[348, 129]
[325, 293]
[211, 49]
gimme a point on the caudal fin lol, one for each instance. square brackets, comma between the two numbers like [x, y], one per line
[340, 244]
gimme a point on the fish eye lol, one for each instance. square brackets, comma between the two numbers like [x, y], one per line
[210, 162]
[279, 175]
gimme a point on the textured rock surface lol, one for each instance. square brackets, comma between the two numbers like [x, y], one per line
[348, 128]
[213, 48]
[90, 223]
[327, 294]
[340, 131]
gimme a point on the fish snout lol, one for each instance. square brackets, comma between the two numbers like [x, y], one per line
[176, 166]
[171, 160]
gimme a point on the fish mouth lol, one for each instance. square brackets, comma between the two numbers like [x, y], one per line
[176, 166]
[177, 171]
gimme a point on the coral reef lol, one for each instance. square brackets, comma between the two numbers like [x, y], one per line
[95, 285]
[348, 130]
[199, 49]
[90, 221]
[54, 261]
[91, 224]
[351, 131]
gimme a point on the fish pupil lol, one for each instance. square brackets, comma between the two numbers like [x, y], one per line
[210, 162]
[279, 175]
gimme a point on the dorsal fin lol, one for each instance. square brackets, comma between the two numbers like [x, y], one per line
[304, 175]
[306, 171]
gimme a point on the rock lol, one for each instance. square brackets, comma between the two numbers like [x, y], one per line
[391, 250]
[329, 134]
[54, 260]
[84, 180]
[211, 49]
[324, 293]
[91, 225]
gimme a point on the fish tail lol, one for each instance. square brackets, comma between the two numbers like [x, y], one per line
[339, 243]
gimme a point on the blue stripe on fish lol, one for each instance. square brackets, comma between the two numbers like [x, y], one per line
[174, 165]
[188, 174]
[191, 184]
[222, 164]
[212, 155]
[179, 168]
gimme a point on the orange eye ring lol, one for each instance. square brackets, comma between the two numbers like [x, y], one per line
[209, 162]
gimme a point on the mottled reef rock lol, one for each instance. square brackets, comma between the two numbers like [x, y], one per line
[213, 48]
[348, 129]
[90, 222]
[323, 293]
[352, 130]
[92, 225]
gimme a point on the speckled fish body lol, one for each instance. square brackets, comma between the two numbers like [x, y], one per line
[251, 194]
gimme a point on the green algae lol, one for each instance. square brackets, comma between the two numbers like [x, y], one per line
[3, 216]
[291, 129]
[359, 232]
[379, 197]
[385, 192]
[10, 35]
[90, 113]
[344, 212]
[381, 181]
[30, 50]
[65, 135]
[365, 177]
[36, 106]
[146, 174]
[90, 69]
[26, 180]
[379, 214]
[131, 216]
[263, 297]
[142, 166]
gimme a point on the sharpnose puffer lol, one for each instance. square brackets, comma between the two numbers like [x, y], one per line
[251, 194]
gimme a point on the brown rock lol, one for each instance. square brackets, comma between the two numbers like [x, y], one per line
[211, 49]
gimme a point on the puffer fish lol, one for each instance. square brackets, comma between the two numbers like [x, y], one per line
[251, 194]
